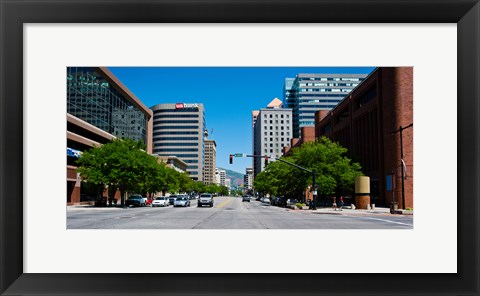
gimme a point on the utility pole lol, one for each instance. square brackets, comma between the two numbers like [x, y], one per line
[402, 162]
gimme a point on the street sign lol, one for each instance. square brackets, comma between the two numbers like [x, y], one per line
[244, 154]
[238, 155]
[314, 192]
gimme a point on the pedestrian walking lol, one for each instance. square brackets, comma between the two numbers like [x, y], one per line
[340, 203]
[335, 203]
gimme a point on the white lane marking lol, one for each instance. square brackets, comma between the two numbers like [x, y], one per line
[389, 221]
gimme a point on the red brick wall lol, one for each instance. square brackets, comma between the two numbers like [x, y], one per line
[308, 134]
[366, 128]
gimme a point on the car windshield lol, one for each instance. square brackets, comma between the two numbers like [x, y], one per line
[134, 197]
[182, 198]
[172, 196]
[205, 195]
[160, 198]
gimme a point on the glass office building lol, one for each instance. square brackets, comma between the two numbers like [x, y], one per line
[92, 98]
[100, 108]
[312, 92]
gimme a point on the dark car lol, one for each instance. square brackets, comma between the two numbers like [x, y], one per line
[246, 198]
[172, 199]
[136, 201]
[205, 199]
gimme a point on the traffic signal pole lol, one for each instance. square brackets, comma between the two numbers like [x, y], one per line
[313, 206]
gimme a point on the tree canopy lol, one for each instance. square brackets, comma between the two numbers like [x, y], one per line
[124, 164]
[335, 173]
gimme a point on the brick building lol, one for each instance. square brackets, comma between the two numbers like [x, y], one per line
[367, 123]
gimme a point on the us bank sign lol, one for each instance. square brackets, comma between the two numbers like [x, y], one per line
[186, 106]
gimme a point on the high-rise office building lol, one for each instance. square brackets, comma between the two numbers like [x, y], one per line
[254, 120]
[287, 87]
[178, 130]
[272, 132]
[210, 162]
[220, 176]
[248, 178]
[100, 108]
[312, 92]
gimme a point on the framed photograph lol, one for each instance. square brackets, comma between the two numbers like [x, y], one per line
[43, 251]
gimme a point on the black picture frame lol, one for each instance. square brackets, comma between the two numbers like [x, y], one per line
[465, 13]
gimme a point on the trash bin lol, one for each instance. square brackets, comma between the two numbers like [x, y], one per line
[393, 207]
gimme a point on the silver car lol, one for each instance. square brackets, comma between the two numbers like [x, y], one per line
[181, 201]
[205, 199]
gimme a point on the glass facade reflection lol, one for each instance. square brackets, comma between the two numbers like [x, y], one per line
[93, 99]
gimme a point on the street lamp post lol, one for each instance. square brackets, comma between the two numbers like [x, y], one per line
[400, 130]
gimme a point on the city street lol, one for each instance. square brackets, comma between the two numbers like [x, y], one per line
[228, 213]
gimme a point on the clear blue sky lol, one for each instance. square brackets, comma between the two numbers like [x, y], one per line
[229, 95]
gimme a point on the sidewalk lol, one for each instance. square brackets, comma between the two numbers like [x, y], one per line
[346, 210]
[92, 207]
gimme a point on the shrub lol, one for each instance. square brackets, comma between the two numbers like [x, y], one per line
[300, 205]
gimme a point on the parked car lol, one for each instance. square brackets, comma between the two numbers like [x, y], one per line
[281, 202]
[205, 199]
[172, 198]
[181, 201]
[161, 201]
[246, 198]
[136, 201]
[265, 200]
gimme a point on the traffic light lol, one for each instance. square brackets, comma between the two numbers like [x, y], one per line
[231, 159]
[266, 160]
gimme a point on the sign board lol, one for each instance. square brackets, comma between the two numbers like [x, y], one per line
[314, 192]
[238, 155]
[389, 183]
[186, 106]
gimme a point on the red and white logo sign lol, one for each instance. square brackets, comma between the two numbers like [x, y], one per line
[179, 106]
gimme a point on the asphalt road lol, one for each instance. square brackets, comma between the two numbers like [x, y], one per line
[227, 213]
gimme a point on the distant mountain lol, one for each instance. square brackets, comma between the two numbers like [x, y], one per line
[235, 177]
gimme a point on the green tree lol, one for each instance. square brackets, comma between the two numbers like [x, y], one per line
[335, 173]
[121, 163]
